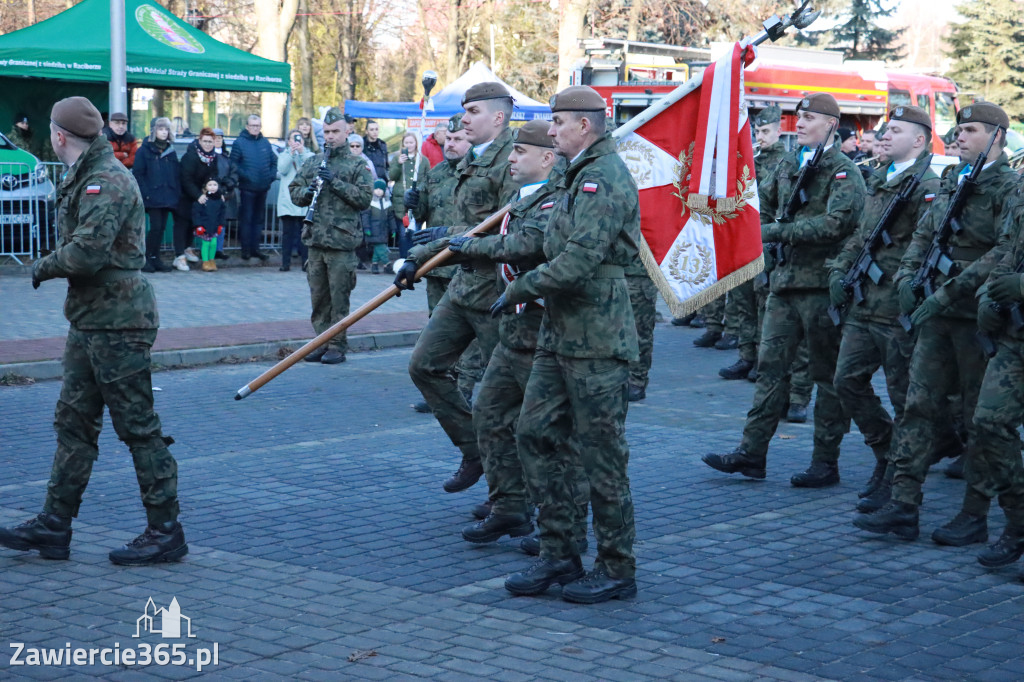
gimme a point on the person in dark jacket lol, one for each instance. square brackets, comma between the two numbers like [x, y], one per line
[198, 165]
[376, 149]
[228, 185]
[255, 162]
[158, 173]
[378, 226]
[208, 219]
[124, 143]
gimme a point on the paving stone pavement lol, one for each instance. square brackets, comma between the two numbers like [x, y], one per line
[320, 535]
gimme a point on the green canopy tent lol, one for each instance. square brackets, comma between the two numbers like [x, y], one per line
[69, 54]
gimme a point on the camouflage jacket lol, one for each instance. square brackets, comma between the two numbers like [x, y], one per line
[820, 227]
[1012, 259]
[436, 206]
[974, 249]
[484, 185]
[102, 245]
[591, 238]
[521, 248]
[767, 160]
[336, 223]
[880, 302]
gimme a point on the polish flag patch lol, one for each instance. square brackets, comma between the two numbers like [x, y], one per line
[549, 204]
[929, 197]
[589, 187]
[92, 189]
[841, 175]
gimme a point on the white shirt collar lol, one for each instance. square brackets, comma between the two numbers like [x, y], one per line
[897, 168]
[527, 190]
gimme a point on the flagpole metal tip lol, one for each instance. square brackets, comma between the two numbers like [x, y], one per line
[243, 392]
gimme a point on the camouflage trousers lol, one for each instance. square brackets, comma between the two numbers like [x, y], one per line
[110, 368]
[495, 415]
[714, 314]
[332, 277]
[792, 318]
[994, 466]
[469, 369]
[449, 332]
[865, 347]
[574, 413]
[643, 295]
[946, 360]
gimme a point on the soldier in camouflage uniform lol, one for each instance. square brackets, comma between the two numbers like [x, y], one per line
[113, 316]
[518, 249]
[484, 185]
[947, 350]
[872, 337]
[334, 236]
[643, 296]
[797, 305]
[574, 408]
[995, 465]
[713, 314]
[745, 305]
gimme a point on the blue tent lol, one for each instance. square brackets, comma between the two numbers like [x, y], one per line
[449, 100]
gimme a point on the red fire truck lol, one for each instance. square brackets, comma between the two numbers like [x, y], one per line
[633, 75]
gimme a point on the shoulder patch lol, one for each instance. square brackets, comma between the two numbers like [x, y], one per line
[589, 187]
[92, 189]
[549, 204]
[841, 175]
[929, 197]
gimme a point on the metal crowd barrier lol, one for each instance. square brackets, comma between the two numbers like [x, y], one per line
[26, 207]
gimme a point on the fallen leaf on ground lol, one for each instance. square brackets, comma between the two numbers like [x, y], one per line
[360, 655]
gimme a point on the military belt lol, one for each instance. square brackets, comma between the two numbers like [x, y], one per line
[967, 253]
[102, 278]
[609, 272]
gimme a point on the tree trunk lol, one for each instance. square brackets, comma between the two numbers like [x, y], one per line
[633, 28]
[274, 21]
[306, 60]
[451, 47]
[31, 12]
[570, 30]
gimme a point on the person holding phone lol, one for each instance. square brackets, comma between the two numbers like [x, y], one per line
[288, 164]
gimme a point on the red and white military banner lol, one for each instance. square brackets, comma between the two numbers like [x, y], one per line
[693, 162]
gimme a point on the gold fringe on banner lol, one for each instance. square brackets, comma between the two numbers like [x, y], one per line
[698, 203]
[726, 204]
[692, 304]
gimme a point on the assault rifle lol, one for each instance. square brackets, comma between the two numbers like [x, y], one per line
[798, 197]
[937, 258]
[865, 265]
[1014, 311]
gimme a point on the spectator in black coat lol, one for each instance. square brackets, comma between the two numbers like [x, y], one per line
[376, 149]
[255, 162]
[198, 165]
[158, 173]
[208, 218]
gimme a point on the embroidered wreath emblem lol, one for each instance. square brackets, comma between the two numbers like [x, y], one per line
[690, 263]
[699, 206]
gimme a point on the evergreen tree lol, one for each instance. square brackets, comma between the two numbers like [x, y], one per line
[856, 32]
[987, 60]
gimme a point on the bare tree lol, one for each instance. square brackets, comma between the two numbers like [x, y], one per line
[570, 30]
[274, 22]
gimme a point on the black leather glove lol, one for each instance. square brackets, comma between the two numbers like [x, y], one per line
[499, 306]
[455, 243]
[906, 296]
[1006, 289]
[837, 293]
[308, 196]
[325, 174]
[412, 198]
[406, 276]
[428, 235]
[989, 318]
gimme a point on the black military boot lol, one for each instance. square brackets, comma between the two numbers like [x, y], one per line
[482, 510]
[964, 529]
[707, 339]
[796, 414]
[877, 476]
[727, 342]
[752, 377]
[738, 461]
[636, 393]
[49, 533]
[597, 586]
[466, 476]
[497, 525]
[818, 475]
[738, 370]
[878, 498]
[898, 518]
[317, 355]
[956, 469]
[1007, 549]
[158, 543]
[531, 546]
[683, 321]
[544, 573]
[698, 322]
[422, 407]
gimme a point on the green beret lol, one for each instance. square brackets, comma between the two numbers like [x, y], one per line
[983, 112]
[333, 115]
[911, 114]
[770, 114]
[489, 90]
[455, 123]
[578, 98]
[78, 116]
[820, 103]
[534, 133]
